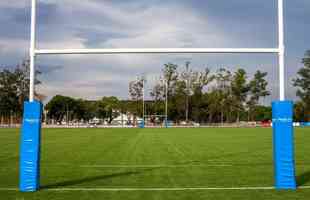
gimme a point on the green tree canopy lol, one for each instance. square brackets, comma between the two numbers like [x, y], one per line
[257, 89]
[302, 82]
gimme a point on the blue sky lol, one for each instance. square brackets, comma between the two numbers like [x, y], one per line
[149, 23]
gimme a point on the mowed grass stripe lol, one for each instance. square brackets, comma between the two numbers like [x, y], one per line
[154, 189]
[148, 159]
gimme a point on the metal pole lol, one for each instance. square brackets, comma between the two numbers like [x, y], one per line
[67, 116]
[281, 50]
[143, 97]
[187, 90]
[32, 51]
[166, 106]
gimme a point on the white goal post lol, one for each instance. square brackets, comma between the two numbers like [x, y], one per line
[282, 111]
[280, 50]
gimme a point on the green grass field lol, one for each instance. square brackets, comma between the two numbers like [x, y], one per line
[153, 158]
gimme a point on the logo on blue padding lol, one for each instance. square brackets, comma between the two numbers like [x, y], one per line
[31, 121]
[283, 120]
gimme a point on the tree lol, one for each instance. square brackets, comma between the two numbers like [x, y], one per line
[136, 94]
[299, 112]
[158, 95]
[81, 110]
[23, 81]
[222, 93]
[179, 100]
[170, 75]
[302, 82]
[60, 107]
[8, 94]
[200, 81]
[214, 101]
[110, 107]
[14, 89]
[240, 89]
[136, 89]
[257, 89]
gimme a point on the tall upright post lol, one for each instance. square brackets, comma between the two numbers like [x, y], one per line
[32, 51]
[282, 120]
[31, 128]
[281, 50]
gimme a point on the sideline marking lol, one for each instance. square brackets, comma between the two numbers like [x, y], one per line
[154, 166]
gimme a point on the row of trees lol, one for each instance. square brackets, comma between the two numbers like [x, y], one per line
[223, 96]
[62, 108]
[200, 96]
[302, 83]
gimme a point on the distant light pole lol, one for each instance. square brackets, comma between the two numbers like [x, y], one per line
[166, 106]
[187, 76]
[143, 98]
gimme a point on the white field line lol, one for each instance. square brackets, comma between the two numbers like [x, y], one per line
[154, 189]
[154, 166]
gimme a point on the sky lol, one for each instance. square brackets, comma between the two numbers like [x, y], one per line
[149, 24]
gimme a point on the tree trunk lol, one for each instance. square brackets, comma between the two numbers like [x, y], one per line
[238, 117]
[222, 116]
[210, 118]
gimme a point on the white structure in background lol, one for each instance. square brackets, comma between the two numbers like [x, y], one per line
[95, 121]
[125, 120]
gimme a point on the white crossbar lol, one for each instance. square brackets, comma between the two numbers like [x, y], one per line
[155, 50]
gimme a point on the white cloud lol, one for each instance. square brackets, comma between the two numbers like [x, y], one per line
[154, 25]
[169, 25]
[16, 47]
[14, 4]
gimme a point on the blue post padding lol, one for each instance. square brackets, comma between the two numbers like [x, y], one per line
[30, 147]
[305, 124]
[166, 123]
[283, 145]
[142, 124]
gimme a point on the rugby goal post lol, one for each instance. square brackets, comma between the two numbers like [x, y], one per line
[283, 146]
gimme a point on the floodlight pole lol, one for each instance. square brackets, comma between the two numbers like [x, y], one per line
[281, 50]
[32, 51]
[166, 106]
[143, 99]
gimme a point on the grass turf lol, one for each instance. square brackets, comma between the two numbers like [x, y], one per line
[154, 158]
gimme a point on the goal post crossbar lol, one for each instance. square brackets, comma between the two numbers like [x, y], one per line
[155, 50]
